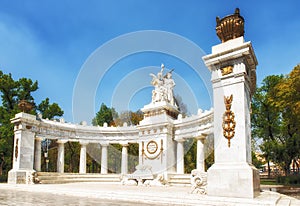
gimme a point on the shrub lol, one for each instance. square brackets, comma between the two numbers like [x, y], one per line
[3, 178]
[289, 180]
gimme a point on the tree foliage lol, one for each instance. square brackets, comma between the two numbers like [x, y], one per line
[129, 117]
[48, 110]
[275, 118]
[112, 118]
[105, 115]
[12, 91]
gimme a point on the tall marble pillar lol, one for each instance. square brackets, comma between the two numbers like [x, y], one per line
[37, 153]
[104, 166]
[82, 163]
[124, 165]
[61, 156]
[180, 156]
[233, 67]
[200, 154]
[23, 155]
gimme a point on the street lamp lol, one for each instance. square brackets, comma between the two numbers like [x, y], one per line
[46, 148]
[46, 160]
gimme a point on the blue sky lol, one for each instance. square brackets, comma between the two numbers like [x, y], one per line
[50, 41]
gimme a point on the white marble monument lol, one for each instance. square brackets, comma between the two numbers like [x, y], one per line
[233, 64]
[23, 155]
[157, 147]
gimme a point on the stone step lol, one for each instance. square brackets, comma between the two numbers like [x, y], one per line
[180, 176]
[180, 180]
[64, 181]
[82, 178]
[59, 178]
[73, 174]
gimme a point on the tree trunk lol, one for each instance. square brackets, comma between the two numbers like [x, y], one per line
[287, 167]
[269, 169]
[2, 164]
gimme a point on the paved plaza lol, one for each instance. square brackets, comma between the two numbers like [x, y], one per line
[167, 195]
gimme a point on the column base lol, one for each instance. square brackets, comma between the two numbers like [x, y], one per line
[233, 180]
[21, 177]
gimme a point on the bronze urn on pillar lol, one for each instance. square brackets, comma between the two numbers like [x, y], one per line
[230, 27]
[25, 106]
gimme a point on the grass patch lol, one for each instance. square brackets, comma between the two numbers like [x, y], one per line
[268, 182]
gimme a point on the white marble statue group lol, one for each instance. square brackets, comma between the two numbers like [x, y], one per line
[163, 87]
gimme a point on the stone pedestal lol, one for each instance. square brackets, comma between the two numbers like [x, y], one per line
[233, 65]
[23, 155]
[157, 147]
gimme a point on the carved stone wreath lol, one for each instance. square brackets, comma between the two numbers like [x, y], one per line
[152, 147]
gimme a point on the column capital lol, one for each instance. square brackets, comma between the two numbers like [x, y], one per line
[38, 138]
[201, 137]
[181, 140]
[83, 142]
[124, 144]
[104, 144]
[62, 141]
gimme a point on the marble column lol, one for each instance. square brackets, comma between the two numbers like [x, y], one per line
[82, 163]
[37, 154]
[233, 67]
[200, 154]
[124, 165]
[61, 156]
[180, 156]
[104, 159]
[23, 154]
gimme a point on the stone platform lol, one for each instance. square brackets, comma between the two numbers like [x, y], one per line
[168, 195]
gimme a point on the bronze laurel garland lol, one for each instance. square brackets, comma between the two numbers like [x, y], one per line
[228, 120]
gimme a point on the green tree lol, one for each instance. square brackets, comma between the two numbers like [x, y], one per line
[49, 110]
[105, 114]
[12, 91]
[24, 89]
[265, 117]
[288, 102]
[133, 156]
[275, 118]
[190, 156]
